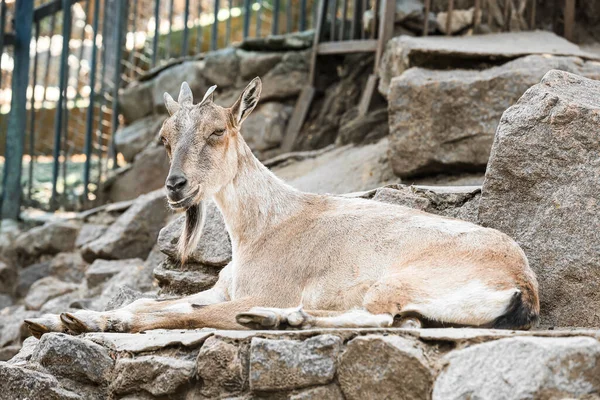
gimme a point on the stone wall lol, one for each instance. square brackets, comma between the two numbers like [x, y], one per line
[350, 364]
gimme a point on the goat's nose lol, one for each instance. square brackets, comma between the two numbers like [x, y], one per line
[176, 182]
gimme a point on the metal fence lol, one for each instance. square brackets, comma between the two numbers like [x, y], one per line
[63, 63]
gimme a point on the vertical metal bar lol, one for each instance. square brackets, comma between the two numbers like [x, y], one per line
[426, 17]
[315, 12]
[228, 24]
[32, 113]
[17, 119]
[259, 19]
[532, 16]
[121, 21]
[275, 23]
[247, 11]
[133, 31]
[186, 16]
[102, 94]
[89, 121]
[375, 8]
[477, 15]
[288, 16]
[449, 17]
[199, 31]
[356, 22]
[362, 25]
[2, 28]
[303, 15]
[48, 58]
[156, 32]
[170, 37]
[215, 27]
[569, 16]
[333, 10]
[58, 119]
[344, 16]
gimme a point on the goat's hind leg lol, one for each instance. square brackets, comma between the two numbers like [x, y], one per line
[297, 318]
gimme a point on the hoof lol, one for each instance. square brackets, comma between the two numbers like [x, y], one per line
[73, 323]
[410, 323]
[37, 327]
[258, 319]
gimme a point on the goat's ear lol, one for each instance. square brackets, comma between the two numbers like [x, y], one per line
[186, 98]
[208, 96]
[247, 101]
[171, 104]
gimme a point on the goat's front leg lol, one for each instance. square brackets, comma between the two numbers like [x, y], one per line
[127, 319]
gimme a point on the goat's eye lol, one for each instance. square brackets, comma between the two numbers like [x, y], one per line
[218, 132]
[164, 140]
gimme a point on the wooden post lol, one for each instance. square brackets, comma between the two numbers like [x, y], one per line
[426, 17]
[449, 17]
[11, 201]
[569, 19]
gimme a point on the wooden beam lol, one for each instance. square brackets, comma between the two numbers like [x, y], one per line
[367, 95]
[347, 46]
[449, 17]
[426, 17]
[569, 16]
[298, 116]
[386, 29]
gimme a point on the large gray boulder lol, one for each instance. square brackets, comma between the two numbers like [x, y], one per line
[356, 168]
[522, 368]
[136, 101]
[214, 247]
[46, 289]
[8, 278]
[51, 238]
[132, 139]
[170, 81]
[73, 358]
[22, 383]
[444, 121]
[383, 367]
[265, 127]
[222, 368]
[291, 364]
[442, 52]
[147, 173]
[101, 271]
[541, 188]
[134, 233]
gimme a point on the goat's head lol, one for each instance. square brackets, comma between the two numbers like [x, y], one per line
[202, 143]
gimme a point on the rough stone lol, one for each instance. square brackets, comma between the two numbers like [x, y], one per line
[357, 168]
[460, 202]
[135, 101]
[541, 188]
[156, 339]
[361, 130]
[329, 392]
[25, 351]
[461, 19]
[126, 295]
[521, 367]
[214, 247]
[442, 52]
[254, 63]
[133, 139]
[21, 383]
[101, 271]
[8, 278]
[157, 375]
[46, 289]
[287, 78]
[185, 280]
[291, 364]
[134, 233]
[222, 368]
[221, 67]
[28, 276]
[265, 127]
[12, 327]
[5, 301]
[69, 267]
[51, 238]
[170, 80]
[148, 172]
[422, 102]
[88, 233]
[74, 358]
[384, 367]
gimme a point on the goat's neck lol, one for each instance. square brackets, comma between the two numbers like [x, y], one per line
[255, 200]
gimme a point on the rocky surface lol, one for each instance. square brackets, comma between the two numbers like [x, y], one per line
[134, 233]
[133, 138]
[314, 364]
[541, 188]
[435, 123]
[439, 52]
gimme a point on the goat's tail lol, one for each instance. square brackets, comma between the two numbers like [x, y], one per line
[523, 311]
